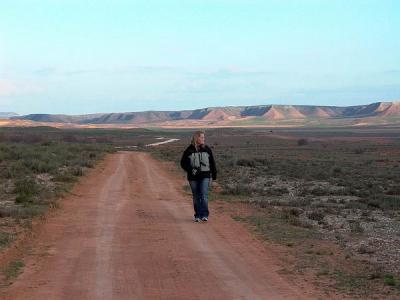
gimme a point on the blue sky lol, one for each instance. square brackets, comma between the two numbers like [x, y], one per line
[78, 57]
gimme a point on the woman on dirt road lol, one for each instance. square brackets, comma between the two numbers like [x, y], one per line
[198, 161]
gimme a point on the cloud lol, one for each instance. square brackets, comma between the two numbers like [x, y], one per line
[45, 71]
[13, 88]
[349, 89]
[231, 72]
[83, 72]
[53, 71]
[192, 73]
[391, 72]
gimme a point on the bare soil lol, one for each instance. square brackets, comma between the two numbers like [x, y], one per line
[126, 232]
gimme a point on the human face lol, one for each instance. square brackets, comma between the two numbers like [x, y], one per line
[200, 139]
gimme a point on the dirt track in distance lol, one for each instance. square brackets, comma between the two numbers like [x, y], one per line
[126, 232]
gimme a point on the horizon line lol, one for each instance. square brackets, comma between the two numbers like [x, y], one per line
[200, 108]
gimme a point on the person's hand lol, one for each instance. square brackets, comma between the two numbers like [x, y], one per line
[210, 182]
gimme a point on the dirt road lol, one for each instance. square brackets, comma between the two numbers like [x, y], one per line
[126, 232]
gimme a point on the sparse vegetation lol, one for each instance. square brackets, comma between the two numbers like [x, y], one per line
[5, 239]
[12, 270]
[302, 142]
[389, 280]
[306, 189]
[37, 166]
[310, 188]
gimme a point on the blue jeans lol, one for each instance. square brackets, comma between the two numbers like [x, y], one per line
[200, 197]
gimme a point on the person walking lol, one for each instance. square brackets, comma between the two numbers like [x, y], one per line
[198, 162]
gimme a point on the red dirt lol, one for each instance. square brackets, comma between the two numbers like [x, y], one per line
[126, 233]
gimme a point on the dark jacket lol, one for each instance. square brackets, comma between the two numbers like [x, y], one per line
[199, 164]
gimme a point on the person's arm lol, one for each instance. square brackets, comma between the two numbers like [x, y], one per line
[185, 164]
[213, 167]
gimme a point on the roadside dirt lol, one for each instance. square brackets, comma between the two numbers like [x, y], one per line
[126, 232]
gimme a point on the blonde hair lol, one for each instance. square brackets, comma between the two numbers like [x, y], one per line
[195, 136]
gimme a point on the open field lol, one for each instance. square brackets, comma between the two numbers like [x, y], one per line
[332, 197]
[124, 234]
[327, 198]
[35, 171]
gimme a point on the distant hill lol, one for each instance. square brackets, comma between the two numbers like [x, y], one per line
[236, 115]
[7, 115]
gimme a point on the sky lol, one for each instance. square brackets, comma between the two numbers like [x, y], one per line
[79, 57]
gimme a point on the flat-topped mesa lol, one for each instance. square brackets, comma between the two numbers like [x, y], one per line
[372, 110]
[224, 115]
[317, 111]
[7, 115]
[274, 114]
[290, 111]
[391, 110]
[218, 114]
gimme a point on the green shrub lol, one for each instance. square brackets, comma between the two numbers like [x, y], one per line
[64, 177]
[359, 150]
[337, 171]
[12, 270]
[39, 166]
[6, 239]
[77, 171]
[16, 169]
[316, 215]
[389, 280]
[277, 191]
[355, 227]
[381, 201]
[26, 189]
[246, 162]
[302, 142]
[319, 191]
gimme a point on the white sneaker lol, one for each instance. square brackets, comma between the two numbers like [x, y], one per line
[196, 220]
[204, 219]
